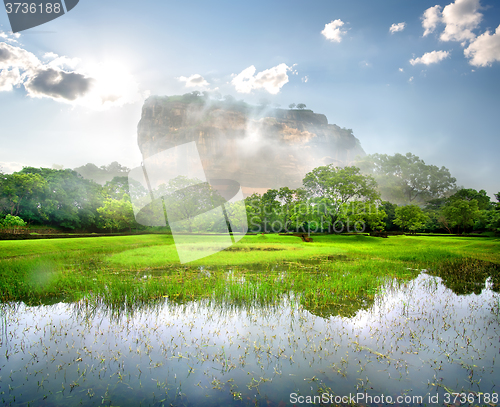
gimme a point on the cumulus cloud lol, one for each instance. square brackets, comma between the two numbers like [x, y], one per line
[271, 80]
[333, 31]
[397, 27]
[61, 62]
[58, 84]
[431, 18]
[460, 18]
[430, 58]
[98, 87]
[9, 37]
[485, 49]
[194, 81]
[9, 79]
[15, 57]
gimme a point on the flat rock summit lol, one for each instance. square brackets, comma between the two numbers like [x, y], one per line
[258, 146]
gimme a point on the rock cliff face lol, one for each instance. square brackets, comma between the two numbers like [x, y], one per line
[259, 147]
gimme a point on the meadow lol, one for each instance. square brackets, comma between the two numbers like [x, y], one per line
[119, 321]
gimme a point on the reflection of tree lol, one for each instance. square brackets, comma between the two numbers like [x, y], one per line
[346, 308]
[466, 275]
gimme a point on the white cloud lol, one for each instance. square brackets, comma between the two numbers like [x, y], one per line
[460, 18]
[485, 49]
[61, 62]
[333, 32]
[430, 58]
[411, 79]
[10, 167]
[401, 70]
[397, 27]
[98, 87]
[194, 81]
[305, 79]
[431, 18]
[272, 80]
[9, 79]
[9, 37]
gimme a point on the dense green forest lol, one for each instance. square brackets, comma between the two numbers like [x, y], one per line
[380, 193]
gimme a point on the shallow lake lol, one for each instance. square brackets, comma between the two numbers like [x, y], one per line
[418, 341]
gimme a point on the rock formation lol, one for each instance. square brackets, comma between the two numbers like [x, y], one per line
[259, 147]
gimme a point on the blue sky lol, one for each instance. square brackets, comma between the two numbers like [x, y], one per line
[71, 90]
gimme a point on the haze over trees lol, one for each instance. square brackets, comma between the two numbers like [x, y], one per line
[406, 179]
[408, 196]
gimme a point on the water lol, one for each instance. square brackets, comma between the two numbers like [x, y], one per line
[417, 339]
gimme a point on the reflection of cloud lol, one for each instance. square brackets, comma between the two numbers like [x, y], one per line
[333, 32]
[194, 81]
[430, 58]
[485, 49]
[397, 27]
[99, 86]
[272, 80]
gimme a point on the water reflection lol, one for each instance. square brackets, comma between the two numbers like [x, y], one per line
[416, 339]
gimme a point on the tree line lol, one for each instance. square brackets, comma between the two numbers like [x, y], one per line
[379, 193]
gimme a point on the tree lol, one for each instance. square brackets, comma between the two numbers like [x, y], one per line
[482, 198]
[67, 201]
[184, 199]
[117, 214]
[461, 213]
[410, 217]
[335, 187]
[292, 105]
[16, 189]
[406, 178]
[301, 106]
[12, 223]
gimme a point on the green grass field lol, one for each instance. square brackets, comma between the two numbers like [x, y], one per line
[331, 271]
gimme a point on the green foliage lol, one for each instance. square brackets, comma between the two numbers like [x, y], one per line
[406, 178]
[461, 213]
[301, 106]
[116, 214]
[390, 211]
[482, 198]
[332, 188]
[18, 188]
[67, 200]
[12, 223]
[410, 217]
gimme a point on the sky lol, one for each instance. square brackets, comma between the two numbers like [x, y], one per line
[406, 76]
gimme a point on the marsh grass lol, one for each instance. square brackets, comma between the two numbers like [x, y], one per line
[333, 275]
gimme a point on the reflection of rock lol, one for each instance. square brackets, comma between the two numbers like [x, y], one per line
[258, 148]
